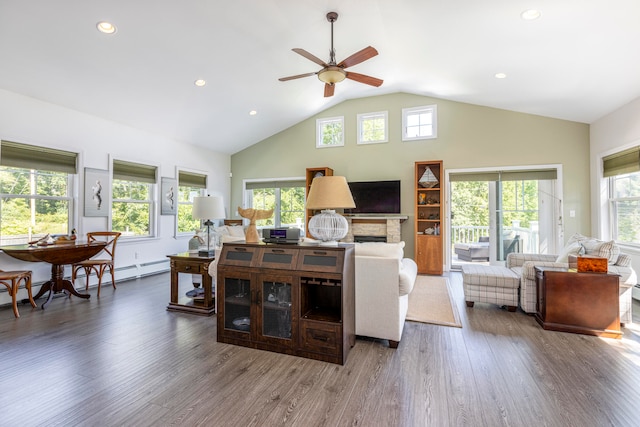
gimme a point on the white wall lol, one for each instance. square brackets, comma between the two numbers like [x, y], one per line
[612, 133]
[30, 121]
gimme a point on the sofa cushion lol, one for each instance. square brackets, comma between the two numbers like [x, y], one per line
[599, 248]
[573, 248]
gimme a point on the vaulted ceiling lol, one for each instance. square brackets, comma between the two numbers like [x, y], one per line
[578, 61]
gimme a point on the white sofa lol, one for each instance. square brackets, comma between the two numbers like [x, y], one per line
[524, 266]
[384, 280]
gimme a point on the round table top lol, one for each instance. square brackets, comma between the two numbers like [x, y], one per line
[59, 253]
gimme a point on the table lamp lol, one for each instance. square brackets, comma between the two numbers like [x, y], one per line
[328, 193]
[208, 208]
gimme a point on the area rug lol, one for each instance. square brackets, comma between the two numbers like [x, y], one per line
[430, 302]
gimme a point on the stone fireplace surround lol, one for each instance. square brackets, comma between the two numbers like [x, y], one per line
[374, 228]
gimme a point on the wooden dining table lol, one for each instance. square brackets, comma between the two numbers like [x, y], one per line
[58, 255]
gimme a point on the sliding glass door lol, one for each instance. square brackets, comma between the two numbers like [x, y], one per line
[496, 212]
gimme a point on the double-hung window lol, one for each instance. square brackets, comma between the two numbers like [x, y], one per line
[36, 188]
[132, 209]
[190, 185]
[623, 173]
[285, 197]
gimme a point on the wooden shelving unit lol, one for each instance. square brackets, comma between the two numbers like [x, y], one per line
[312, 173]
[429, 213]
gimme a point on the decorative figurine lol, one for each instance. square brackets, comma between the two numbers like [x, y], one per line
[251, 235]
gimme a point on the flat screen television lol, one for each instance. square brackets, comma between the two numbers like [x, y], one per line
[375, 197]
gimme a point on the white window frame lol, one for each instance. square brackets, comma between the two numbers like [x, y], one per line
[613, 202]
[407, 113]
[364, 117]
[320, 128]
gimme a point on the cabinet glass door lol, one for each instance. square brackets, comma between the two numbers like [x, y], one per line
[276, 314]
[237, 304]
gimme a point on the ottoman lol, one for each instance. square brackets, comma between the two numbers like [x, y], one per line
[491, 284]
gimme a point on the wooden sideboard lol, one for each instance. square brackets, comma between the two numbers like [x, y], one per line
[293, 299]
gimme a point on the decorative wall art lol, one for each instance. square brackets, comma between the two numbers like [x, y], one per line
[169, 195]
[97, 194]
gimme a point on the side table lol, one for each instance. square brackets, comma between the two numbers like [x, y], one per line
[582, 303]
[190, 263]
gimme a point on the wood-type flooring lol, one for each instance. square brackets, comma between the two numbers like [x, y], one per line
[123, 360]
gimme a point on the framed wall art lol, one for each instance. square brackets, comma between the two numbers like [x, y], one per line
[97, 194]
[169, 196]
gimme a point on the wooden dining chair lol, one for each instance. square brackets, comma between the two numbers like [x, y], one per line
[12, 279]
[102, 261]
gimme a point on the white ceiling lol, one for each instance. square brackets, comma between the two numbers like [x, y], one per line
[578, 61]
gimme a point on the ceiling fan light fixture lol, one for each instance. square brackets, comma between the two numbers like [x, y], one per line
[332, 75]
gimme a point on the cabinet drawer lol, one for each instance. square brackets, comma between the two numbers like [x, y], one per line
[320, 337]
[193, 267]
[323, 260]
[240, 255]
[278, 258]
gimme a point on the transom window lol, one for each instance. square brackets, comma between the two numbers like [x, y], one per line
[419, 123]
[372, 128]
[133, 199]
[330, 132]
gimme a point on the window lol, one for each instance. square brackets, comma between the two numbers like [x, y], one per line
[190, 185]
[624, 201]
[419, 123]
[36, 187]
[132, 206]
[372, 128]
[285, 197]
[330, 132]
[623, 173]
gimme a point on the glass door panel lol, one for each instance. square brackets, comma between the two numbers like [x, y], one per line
[276, 316]
[237, 304]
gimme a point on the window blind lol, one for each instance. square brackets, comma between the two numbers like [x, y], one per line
[275, 184]
[190, 179]
[515, 175]
[128, 171]
[18, 155]
[627, 161]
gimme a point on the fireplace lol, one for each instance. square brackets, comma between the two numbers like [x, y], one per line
[378, 228]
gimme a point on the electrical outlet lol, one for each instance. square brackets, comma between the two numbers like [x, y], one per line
[136, 255]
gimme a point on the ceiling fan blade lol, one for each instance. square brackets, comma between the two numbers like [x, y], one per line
[358, 57]
[328, 89]
[299, 76]
[361, 78]
[310, 56]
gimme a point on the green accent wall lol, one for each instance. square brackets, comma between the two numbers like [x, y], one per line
[469, 136]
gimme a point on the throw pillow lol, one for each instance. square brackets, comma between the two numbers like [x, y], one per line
[571, 249]
[609, 250]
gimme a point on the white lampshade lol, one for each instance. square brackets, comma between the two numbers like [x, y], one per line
[329, 193]
[209, 207]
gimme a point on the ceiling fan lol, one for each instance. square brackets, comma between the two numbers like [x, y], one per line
[332, 73]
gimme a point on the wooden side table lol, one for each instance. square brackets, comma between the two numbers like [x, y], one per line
[189, 263]
[582, 303]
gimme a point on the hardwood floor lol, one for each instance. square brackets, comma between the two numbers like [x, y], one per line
[124, 360]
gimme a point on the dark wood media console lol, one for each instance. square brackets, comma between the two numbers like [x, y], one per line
[293, 299]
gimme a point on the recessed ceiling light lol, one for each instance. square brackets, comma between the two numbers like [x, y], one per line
[106, 27]
[530, 14]
[253, 112]
[200, 82]
[500, 76]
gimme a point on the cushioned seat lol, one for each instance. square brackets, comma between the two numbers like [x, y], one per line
[490, 284]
